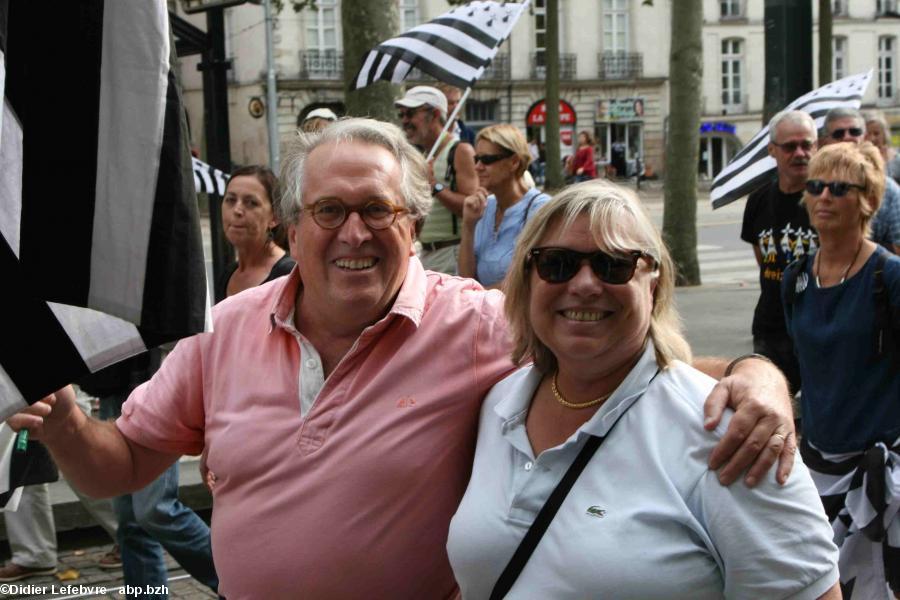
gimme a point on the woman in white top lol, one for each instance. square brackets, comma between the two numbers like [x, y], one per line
[590, 301]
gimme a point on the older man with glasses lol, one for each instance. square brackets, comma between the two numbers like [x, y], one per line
[422, 112]
[848, 125]
[777, 226]
[338, 405]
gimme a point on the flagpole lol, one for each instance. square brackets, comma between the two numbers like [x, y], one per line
[450, 120]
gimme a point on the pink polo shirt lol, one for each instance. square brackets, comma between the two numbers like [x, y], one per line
[355, 499]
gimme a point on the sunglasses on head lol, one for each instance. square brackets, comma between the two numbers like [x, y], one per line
[558, 265]
[791, 147]
[838, 189]
[838, 134]
[489, 159]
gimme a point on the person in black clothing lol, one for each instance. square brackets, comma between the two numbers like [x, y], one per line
[777, 225]
[250, 223]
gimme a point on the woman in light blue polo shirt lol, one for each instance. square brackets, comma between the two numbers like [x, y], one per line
[505, 199]
[589, 301]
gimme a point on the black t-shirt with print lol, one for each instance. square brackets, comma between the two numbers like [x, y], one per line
[779, 225]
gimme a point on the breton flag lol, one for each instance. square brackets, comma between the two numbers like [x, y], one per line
[752, 167]
[207, 178]
[454, 48]
[101, 249]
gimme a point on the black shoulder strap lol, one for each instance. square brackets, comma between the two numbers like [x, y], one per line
[887, 320]
[548, 511]
[542, 522]
[791, 272]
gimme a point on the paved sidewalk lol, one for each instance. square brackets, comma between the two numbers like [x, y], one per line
[80, 577]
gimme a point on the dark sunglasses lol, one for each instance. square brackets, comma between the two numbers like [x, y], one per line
[838, 189]
[489, 159]
[558, 265]
[409, 113]
[791, 147]
[838, 134]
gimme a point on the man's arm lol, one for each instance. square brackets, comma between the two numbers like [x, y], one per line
[758, 254]
[93, 455]
[762, 428]
[466, 179]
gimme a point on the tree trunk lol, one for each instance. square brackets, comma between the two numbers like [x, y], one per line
[554, 175]
[825, 28]
[683, 139]
[365, 24]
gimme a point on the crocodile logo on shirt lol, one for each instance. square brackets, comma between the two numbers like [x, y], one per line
[596, 511]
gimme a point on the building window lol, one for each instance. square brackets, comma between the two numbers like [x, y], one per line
[838, 57]
[886, 75]
[615, 26]
[839, 8]
[732, 63]
[730, 9]
[481, 113]
[884, 7]
[409, 14]
[321, 27]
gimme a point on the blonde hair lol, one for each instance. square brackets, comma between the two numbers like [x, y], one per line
[509, 138]
[619, 224]
[852, 163]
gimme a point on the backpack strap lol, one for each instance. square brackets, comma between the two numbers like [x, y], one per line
[450, 178]
[887, 318]
[790, 275]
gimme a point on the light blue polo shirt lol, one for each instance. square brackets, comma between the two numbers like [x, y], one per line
[647, 519]
[494, 249]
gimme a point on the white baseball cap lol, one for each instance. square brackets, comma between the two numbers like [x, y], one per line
[320, 113]
[422, 95]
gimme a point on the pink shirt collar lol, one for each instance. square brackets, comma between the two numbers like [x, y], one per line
[410, 301]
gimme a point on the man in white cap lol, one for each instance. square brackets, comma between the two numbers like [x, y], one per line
[422, 113]
[318, 119]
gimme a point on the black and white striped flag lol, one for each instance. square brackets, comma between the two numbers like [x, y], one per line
[752, 167]
[101, 250]
[454, 48]
[208, 179]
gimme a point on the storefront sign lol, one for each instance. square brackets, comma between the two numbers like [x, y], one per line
[620, 109]
[717, 127]
[537, 116]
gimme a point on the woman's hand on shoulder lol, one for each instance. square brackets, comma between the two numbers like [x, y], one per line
[761, 431]
[473, 207]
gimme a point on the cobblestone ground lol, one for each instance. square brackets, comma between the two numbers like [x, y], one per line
[80, 577]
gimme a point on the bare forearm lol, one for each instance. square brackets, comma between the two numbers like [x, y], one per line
[452, 200]
[711, 365]
[466, 260]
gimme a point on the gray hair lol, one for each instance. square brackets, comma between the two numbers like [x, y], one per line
[414, 172]
[797, 117]
[878, 117]
[842, 112]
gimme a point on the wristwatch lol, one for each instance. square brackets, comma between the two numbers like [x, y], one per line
[437, 189]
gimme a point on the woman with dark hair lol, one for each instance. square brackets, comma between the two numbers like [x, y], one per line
[581, 166]
[250, 223]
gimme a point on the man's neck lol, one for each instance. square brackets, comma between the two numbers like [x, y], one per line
[788, 186]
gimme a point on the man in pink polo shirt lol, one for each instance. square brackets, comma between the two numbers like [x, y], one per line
[338, 406]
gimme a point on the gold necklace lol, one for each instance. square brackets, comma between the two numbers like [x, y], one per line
[568, 404]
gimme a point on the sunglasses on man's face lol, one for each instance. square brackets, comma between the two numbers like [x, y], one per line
[791, 147]
[489, 159]
[838, 134]
[408, 113]
[558, 265]
[838, 189]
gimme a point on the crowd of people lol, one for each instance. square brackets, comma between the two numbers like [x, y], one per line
[374, 419]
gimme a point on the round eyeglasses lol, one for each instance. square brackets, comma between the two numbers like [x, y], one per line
[376, 214]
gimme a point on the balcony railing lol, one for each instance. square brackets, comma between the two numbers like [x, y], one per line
[567, 66]
[321, 64]
[498, 69]
[620, 65]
